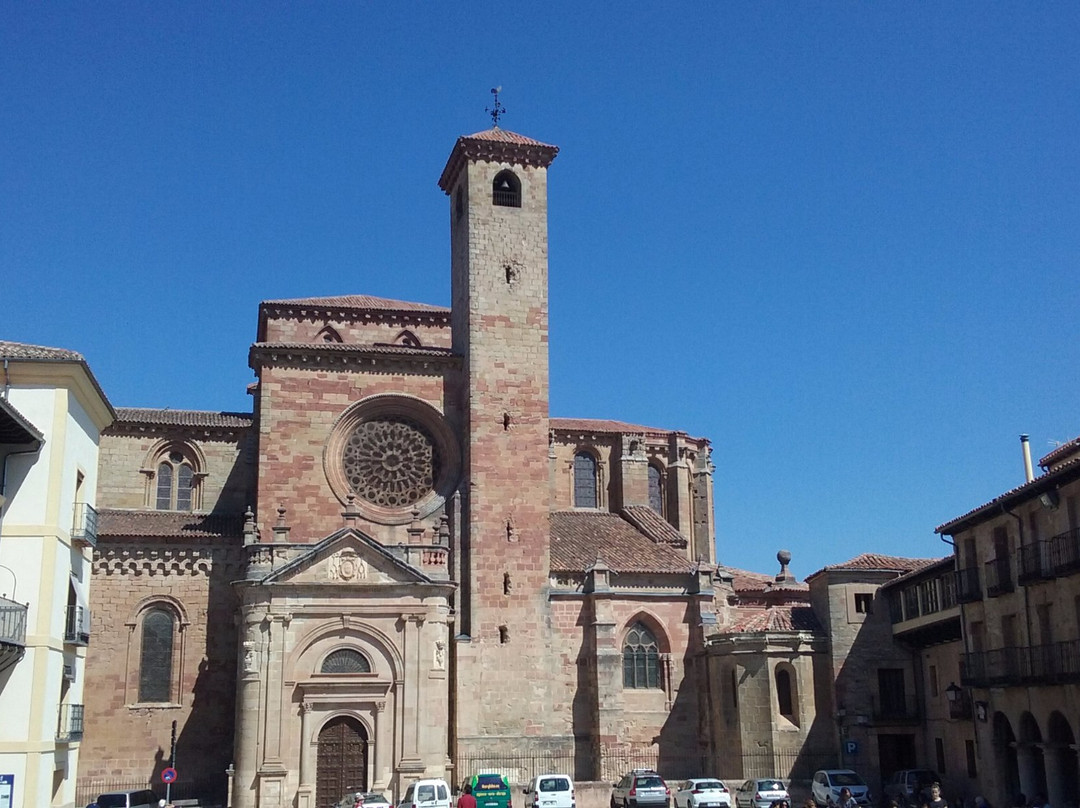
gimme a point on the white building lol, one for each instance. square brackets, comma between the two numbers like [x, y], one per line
[52, 412]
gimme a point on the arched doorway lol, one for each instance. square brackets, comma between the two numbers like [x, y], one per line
[342, 762]
[1008, 769]
[1029, 755]
[1062, 775]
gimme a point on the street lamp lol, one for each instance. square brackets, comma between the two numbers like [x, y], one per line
[953, 692]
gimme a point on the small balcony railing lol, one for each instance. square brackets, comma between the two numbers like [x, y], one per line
[12, 632]
[1053, 663]
[899, 709]
[1035, 563]
[85, 525]
[998, 577]
[12, 622]
[69, 727]
[1065, 552]
[967, 585]
[77, 626]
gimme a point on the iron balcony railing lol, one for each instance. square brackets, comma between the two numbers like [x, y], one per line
[1065, 552]
[967, 585]
[69, 727]
[1054, 663]
[998, 576]
[1035, 563]
[77, 626]
[85, 525]
[12, 622]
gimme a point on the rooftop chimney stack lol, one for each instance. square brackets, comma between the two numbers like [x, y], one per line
[1029, 475]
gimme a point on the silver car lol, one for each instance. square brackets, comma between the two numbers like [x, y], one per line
[641, 788]
[761, 793]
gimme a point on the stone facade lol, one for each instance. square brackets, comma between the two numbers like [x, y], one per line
[383, 571]
[1017, 561]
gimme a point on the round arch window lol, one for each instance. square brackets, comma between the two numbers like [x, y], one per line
[395, 454]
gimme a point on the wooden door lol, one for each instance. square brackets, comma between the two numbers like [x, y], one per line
[342, 765]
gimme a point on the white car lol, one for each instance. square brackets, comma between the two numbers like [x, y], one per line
[550, 791]
[702, 792]
[828, 782]
[761, 793]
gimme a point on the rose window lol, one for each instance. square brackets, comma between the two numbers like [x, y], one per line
[390, 462]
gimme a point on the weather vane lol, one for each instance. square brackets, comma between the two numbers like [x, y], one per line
[496, 110]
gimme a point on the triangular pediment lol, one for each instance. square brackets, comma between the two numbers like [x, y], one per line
[347, 558]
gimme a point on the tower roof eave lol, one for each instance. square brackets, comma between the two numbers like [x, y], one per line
[498, 146]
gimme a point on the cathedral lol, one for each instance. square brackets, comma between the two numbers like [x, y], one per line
[398, 564]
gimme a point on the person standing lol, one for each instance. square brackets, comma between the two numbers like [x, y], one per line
[466, 800]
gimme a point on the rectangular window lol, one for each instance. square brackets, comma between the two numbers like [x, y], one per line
[1033, 527]
[1046, 631]
[977, 630]
[939, 750]
[864, 602]
[969, 748]
[891, 696]
[933, 681]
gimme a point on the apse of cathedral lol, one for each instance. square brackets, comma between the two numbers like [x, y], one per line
[398, 564]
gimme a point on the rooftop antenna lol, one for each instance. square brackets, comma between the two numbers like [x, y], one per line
[498, 109]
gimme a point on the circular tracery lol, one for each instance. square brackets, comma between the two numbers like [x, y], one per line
[392, 462]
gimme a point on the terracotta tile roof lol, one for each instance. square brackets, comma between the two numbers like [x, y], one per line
[653, 525]
[874, 562]
[21, 350]
[499, 146]
[365, 302]
[1064, 472]
[497, 135]
[747, 581]
[167, 417]
[16, 428]
[1060, 453]
[936, 565]
[43, 353]
[774, 618]
[579, 537]
[602, 425]
[167, 524]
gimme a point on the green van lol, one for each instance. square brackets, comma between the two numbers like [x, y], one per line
[490, 790]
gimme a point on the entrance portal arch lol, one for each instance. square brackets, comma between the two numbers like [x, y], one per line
[1008, 769]
[1029, 754]
[342, 760]
[1062, 775]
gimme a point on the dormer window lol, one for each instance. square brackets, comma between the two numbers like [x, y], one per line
[506, 190]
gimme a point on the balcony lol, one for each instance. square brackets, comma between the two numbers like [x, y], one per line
[967, 585]
[12, 632]
[85, 525]
[1065, 552]
[1055, 663]
[1035, 563]
[77, 626]
[69, 727]
[998, 577]
[896, 709]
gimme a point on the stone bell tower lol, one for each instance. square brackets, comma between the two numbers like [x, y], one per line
[497, 184]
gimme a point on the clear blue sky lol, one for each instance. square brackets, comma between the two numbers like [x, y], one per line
[839, 239]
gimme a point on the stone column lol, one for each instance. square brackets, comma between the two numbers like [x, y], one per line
[248, 714]
[384, 742]
[414, 670]
[679, 496]
[307, 774]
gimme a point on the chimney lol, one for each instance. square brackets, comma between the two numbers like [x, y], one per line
[1029, 475]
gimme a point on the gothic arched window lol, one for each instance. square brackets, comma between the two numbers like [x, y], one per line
[175, 482]
[345, 660]
[656, 489]
[641, 658]
[506, 190]
[155, 656]
[585, 481]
